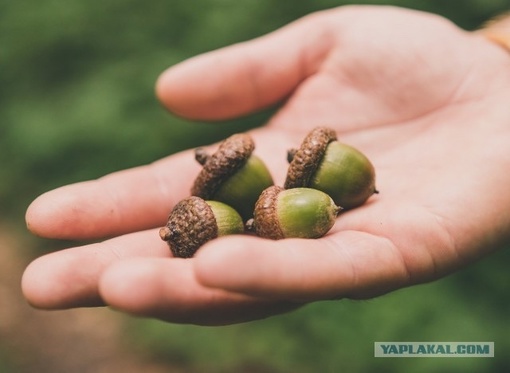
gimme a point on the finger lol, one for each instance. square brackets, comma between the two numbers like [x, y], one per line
[346, 264]
[69, 278]
[245, 77]
[125, 201]
[167, 289]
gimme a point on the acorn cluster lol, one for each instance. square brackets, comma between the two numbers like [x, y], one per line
[234, 192]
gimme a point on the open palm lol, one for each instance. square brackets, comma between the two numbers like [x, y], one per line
[425, 101]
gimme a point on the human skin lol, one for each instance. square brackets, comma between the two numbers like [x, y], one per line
[427, 103]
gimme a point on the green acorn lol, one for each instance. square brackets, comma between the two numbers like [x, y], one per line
[293, 213]
[194, 221]
[233, 174]
[337, 169]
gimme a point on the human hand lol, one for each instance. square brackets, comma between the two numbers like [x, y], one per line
[425, 101]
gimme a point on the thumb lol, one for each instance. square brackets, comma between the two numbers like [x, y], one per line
[245, 77]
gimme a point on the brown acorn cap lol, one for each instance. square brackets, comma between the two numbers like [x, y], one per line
[231, 155]
[190, 225]
[305, 160]
[265, 221]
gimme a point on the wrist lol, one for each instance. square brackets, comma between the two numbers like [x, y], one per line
[497, 30]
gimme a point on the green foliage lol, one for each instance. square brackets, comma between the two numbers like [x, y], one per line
[5, 365]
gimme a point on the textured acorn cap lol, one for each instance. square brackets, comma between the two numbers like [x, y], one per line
[305, 160]
[190, 225]
[265, 217]
[231, 155]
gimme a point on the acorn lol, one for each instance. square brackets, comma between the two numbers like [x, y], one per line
[233, 174]
[195, 221]
[293, 213]
[337, 169]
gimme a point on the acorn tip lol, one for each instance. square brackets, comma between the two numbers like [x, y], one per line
[165, 233]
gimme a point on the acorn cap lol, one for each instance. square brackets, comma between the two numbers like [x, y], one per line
[305, 160]
[266, 216]
[231, 155]
[190, 225]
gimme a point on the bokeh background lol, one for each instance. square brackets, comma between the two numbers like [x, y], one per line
[77, 101]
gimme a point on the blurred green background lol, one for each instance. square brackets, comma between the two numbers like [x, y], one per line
[77, 101]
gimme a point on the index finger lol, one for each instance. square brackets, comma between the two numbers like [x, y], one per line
[121, 202]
